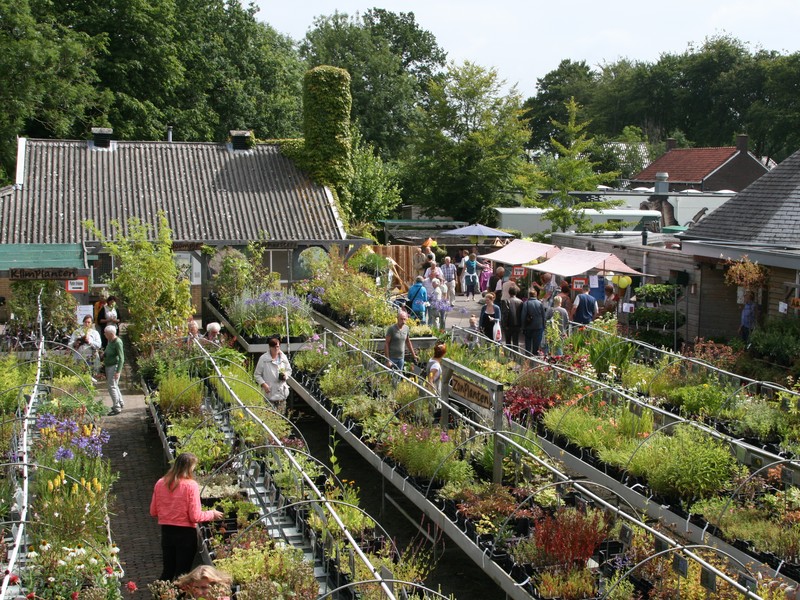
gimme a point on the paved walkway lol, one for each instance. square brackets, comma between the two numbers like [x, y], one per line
[137, 456]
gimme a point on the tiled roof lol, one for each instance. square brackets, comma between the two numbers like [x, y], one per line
[690, 165]
[766, 212]
[209, 193]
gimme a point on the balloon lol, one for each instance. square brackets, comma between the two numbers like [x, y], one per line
[624, 282]
[615, 279]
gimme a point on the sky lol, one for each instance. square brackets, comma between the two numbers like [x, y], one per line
[526, 39]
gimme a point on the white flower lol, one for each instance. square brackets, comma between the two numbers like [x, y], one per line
[61, 563]
[51, 579]
[93, 561]
[33, 554]
[80, 567]
[45, 547]
[114, 550]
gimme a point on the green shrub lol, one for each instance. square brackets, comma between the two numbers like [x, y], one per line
[180, 394]
[778, 341]
[689, 464]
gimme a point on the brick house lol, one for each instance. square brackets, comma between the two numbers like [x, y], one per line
[704, 169]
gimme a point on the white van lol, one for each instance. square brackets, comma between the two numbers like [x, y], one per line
[530, 221]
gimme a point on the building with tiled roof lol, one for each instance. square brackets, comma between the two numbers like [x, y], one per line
[212, 194]
[704, 169]
[761, 222]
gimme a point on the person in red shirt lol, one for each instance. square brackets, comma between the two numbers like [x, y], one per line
[176, 505]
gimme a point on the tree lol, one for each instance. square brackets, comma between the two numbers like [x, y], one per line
[390, 60]
[572, 170]
[147, 264]
[466, 150]
[374, 189]
[47, 80]
[569, 80]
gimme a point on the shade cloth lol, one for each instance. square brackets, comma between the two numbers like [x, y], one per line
[571, 261]
[520, 252]
[476, 230]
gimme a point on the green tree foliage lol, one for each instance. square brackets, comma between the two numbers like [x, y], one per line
[466, 150]
[47, 80]
[147, 279]
[572, 170]
[390, 59]
[58, 305]
[569, 80]
[374, 190]
[711, 92]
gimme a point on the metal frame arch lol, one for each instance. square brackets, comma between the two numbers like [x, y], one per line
[247, 451]
[204, 358]
[399, 410]
[320, 501]
[476, 436]
[70, 369]
[573, 481]
[206, 419]
[690, 423]
[747, 593]
[57, 345]
[24, 385]
[735, 492]
[427, 590]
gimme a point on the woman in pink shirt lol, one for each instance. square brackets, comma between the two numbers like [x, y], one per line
[176, 505]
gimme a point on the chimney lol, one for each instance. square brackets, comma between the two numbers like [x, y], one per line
[672, 143]
[662, 184]
[169, 133]
[102, 136]
[741, 142]
[241, 139]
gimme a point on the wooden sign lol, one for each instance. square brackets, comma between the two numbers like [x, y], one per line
[471, 392]
[46, 273]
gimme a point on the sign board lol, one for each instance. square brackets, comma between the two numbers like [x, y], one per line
[794, 302]
[82, 311]
[50, 274]
[190, 265]
[471, 392]
[79, 285]
[517, 272]
[579, 282]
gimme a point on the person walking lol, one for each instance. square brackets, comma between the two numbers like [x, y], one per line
[559, 323]
[113, 359]
[511, 311]
[85, 340]
[449, 283]
[533, 322]
[107, 316]
[176, 505]
[490, 314]
[398, 338]
[271, 374]
[584, 309]
[418, 299]
[471, 276]
[434, 368]
[749, 316]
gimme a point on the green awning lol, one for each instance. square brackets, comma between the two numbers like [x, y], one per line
[41, 256]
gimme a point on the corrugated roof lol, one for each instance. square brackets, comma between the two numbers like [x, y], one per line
[209, 193]
[689, 165]
[765, 212]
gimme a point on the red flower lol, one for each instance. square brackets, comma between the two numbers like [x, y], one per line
[109, 570]
[131, 587]
[74, 596]
[31, 596]
[13, 580]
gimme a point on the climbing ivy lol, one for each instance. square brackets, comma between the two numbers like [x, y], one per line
[325, 153]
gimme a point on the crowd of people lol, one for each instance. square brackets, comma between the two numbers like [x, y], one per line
[509, 313]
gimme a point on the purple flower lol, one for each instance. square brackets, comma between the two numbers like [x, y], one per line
[45, 420]
[444, 437]
[64, 454]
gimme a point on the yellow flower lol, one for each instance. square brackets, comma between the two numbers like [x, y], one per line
[49, 486]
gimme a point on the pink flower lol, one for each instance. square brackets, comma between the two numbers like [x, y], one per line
[444, 437]
[131, 587]
[74, 595]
